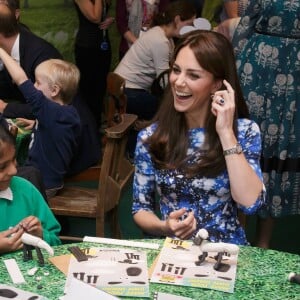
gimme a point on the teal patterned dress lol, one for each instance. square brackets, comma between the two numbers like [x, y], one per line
[267, 47]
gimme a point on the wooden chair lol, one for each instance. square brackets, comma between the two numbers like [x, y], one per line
[112, 176]
[160, 83]
[117, 102]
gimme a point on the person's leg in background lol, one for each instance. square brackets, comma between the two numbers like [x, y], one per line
[94, 65]
[282, 198]
[264, 232]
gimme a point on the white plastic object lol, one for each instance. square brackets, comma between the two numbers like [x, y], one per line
[202, 233]
[14, 271]
[199, 23]
[121, 242]
[32, 271]
[36, 242]
[202, 23]
[220, 247]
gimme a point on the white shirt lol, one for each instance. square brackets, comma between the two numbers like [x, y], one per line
[146, 59]
[15, 52]
[6, 194]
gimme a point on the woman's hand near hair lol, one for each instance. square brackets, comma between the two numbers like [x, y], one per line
[245, 185]
[10, 240]
[224, 112]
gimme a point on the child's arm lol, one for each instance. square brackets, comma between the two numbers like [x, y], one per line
[15, 71]
[27, 124]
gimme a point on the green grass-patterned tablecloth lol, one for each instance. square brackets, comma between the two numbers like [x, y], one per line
[261, 274]
[22, 143]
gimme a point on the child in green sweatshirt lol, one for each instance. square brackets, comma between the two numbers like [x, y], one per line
[22, 207]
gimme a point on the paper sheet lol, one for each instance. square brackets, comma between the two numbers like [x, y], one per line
[177, 265]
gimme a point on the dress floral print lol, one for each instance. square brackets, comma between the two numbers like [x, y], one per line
[209, 198]
[267, 46]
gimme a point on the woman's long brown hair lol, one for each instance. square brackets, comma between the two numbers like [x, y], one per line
[168, 144]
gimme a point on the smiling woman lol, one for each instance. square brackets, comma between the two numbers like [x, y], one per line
[192, 87]
[190, 152]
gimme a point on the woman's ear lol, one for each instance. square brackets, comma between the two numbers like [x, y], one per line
[218, 84]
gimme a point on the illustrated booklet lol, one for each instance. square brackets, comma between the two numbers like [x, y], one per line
[178, 264]
[120, 272]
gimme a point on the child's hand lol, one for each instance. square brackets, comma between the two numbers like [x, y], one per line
[25, 123]
[32, 225]
[10, 240]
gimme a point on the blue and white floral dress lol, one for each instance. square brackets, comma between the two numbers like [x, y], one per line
[209, 198]
[267, 46]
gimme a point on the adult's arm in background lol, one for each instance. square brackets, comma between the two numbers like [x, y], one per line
[92, 11]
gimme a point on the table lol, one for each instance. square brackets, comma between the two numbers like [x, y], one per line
[261, 274]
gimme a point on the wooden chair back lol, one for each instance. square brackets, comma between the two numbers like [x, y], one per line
[117, 99]
[114, 174]
[160, 83]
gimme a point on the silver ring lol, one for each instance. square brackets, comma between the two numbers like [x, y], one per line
[221, 101]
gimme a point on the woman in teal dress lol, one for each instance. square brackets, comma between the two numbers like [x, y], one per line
[267, 47]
